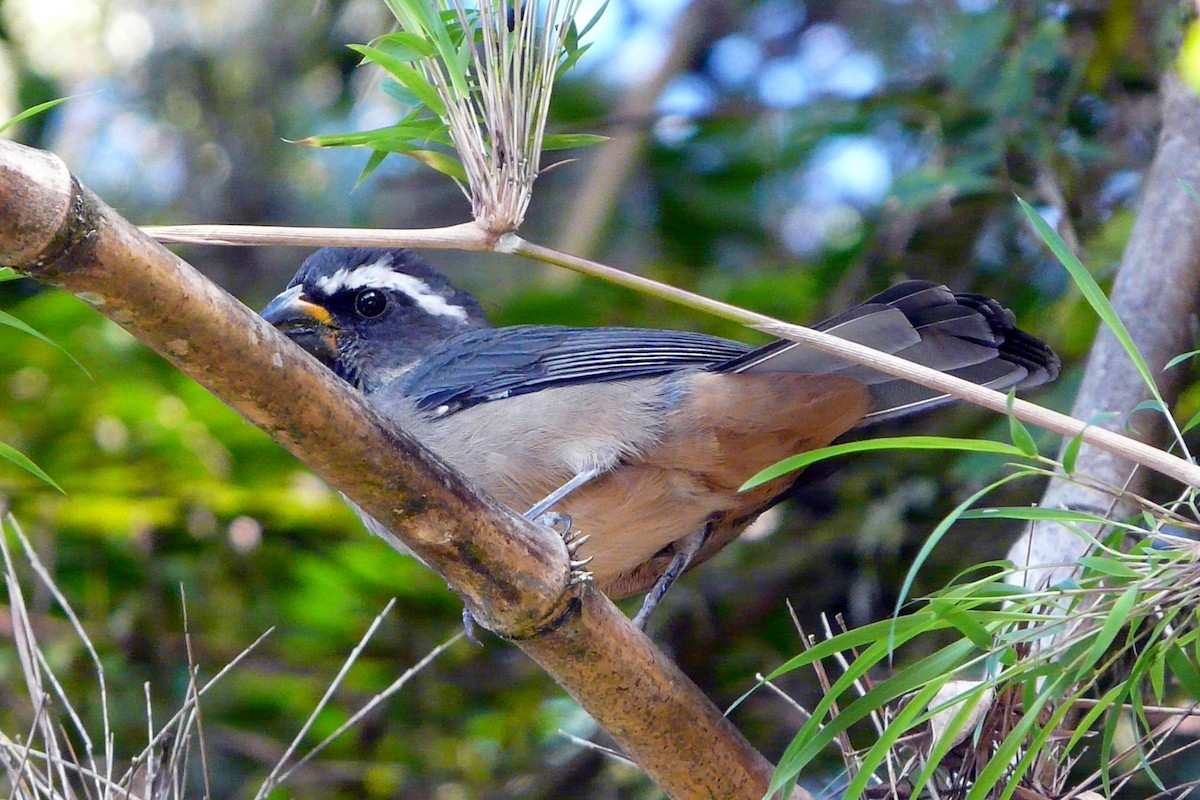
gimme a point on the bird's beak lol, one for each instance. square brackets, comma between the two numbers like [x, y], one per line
[305, 323]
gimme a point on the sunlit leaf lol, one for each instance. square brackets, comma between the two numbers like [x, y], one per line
[32, 112]
[961, 619]
[445, 164]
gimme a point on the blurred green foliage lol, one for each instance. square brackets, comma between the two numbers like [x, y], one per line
[169, 494]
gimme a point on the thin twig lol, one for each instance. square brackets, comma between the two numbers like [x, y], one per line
[192, 669]
[271, 782]
[599, 748]
[394, 687]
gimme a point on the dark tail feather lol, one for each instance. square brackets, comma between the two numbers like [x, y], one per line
[967, 335]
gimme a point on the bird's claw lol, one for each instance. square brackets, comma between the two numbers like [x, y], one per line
[574, 541]
[557, 522]
[578, 577]
[468, 623]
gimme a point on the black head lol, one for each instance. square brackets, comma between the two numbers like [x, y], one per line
[370, 315]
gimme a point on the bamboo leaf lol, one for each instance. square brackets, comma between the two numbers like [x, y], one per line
[1109, 566]
[940, 531]
[1071, 453]
[802, 460]
[405, 46]
[1018, 432]
[819, 732]
[372, 164]
[12, 322]
[961, 619]
[1187, 187]
[564, 141]
[21, 460]
[1184, 669]
[1179, 359]
[32, 112]
[1092, 293]
[407, 75]
[445, 164]
[1117, 620]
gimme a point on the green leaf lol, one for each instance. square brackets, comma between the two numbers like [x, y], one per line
[819, 732]
[1109, 566]
[1191, 423]
[1093, 294]
[1018, 432]
[967, 705]
[1117, 621]
[1001, 762]
[9, 274]
[12, 322]
[961, 619]
[1071, 453]
[22, 461]
[389, 138]
[1187, 187]
[564, 141]
[940, 531]
[405, 46]
[904, 721]
[32, 112]
[1184, 669]
[1032, 514]
[445, 164]
[1179, 359]
[411, 78]
[372, 164]
[1084, 728]
[802, 460]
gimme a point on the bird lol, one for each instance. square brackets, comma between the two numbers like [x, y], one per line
[639, 439]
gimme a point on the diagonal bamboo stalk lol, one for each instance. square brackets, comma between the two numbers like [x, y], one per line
[470, 237]
[513, 575]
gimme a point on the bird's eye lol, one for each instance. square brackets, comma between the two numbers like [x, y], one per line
[370, 303]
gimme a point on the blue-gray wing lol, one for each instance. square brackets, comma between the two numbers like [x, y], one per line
[493, 363]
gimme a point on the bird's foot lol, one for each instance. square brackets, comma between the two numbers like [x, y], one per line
[573, 539]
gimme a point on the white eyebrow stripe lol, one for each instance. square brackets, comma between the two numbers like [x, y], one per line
[381, 275]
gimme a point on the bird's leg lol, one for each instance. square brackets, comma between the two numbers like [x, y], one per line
[685, 550]
[545, 504]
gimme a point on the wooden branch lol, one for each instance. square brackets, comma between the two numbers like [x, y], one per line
[512, 574]
[1156, 293]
